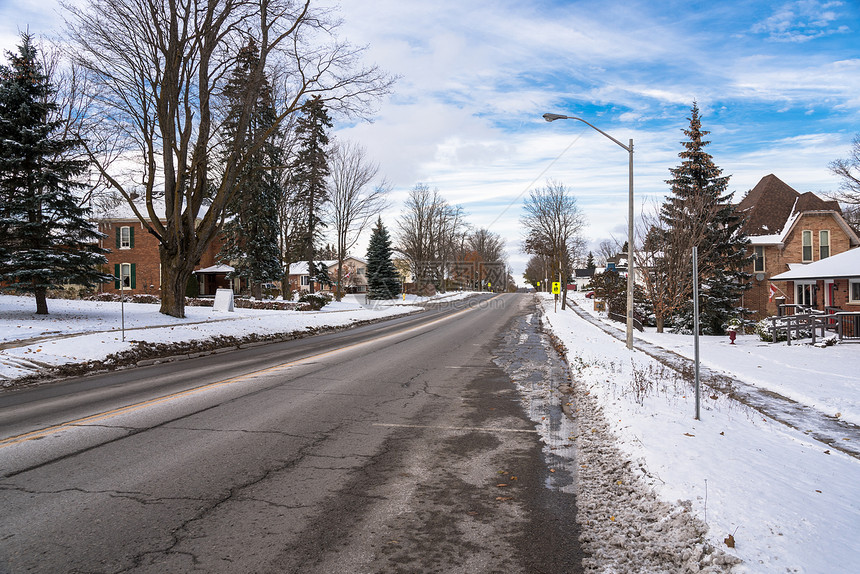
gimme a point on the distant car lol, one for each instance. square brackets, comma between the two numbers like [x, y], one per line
[589, 295]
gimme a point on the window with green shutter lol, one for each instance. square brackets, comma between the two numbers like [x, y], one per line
[127, 272]
[125, 237]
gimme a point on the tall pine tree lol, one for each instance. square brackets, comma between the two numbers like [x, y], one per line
[383, 281]
[46, 237]
[310, 170]
[251, 230]
[700, 213]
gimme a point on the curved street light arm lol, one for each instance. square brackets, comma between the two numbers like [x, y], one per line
[553, 117]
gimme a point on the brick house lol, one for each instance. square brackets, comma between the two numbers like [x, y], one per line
[134, 256]
[786, 228]
[354, 276]
[837, 278]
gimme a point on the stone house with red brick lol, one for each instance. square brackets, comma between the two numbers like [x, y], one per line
[788, 228]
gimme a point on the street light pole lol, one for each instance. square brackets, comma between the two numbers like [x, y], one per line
[629, 148]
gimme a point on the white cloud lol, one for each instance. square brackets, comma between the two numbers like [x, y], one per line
[802, 21]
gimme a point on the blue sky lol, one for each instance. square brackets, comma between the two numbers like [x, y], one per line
[778, 85]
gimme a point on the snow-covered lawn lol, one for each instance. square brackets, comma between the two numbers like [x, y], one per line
[792, 504]
[97, 326]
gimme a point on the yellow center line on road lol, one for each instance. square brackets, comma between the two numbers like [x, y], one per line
[43, 432]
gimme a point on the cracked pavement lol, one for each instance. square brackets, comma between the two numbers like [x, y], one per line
[412, 453]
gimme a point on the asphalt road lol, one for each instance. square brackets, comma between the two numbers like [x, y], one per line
[398, 447]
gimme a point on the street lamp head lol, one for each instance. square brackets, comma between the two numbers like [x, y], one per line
[553, 117]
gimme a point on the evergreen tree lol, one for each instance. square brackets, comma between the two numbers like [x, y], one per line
[611, 287]
[46, 238]
[700, 213]
[251, 230]
[589, 262]
[383, 281]
[310, 170]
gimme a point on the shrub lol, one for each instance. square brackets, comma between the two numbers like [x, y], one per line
[764, 332]
[316, 301]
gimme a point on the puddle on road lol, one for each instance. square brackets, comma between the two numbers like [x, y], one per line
[527, 356]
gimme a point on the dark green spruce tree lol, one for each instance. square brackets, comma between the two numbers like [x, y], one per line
[699, 212]
[46, 238]
[251, 227]
[309, 173]
[383, 281]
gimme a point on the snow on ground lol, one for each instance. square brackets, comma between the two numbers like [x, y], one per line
[790, 503]
[825, 379]
[29, 342]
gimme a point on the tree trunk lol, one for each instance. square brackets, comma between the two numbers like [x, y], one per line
[175, 273]
[339, 291]
[286, 287]
[658, 317]
[41, 300]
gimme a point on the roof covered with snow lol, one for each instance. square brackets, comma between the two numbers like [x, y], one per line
[301, 268]
[845, 264]
[219, 268]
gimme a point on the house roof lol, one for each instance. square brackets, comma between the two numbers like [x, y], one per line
[219, 268]
[589, 272]
[768, 206]
[845, 264]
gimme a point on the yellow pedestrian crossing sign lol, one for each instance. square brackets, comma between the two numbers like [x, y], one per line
[556, 287]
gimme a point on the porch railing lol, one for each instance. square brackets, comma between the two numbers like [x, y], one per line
[846, 324]
[798, 325]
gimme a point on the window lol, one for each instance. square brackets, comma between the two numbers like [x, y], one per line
[125, 237]
[854, 292]
[360, 271]
[759, 259]
[305, 280]
[823, 244]
[805, 294]
[125, 276]
[807, 246]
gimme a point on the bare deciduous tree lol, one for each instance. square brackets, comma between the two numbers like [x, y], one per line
[430, 234]
[537, 272]
[488, 251]
[849, 170]
[553, 223]
[160, 68]
[608, 248]
[353, 202]
[663, 261]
